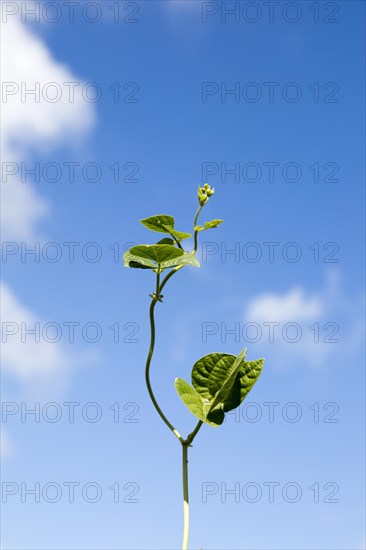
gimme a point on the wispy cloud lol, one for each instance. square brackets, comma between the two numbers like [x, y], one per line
[308, 328]
[294, 304]
[23, 355]
[29, 125]
[33, 360]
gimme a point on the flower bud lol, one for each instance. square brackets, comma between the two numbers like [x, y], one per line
[204, 193]
[202, 197]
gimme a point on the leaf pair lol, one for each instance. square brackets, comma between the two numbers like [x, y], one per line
[220, 384]
[164, 254]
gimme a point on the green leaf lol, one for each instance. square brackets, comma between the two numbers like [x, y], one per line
[195, 404]
[179, 235]
[167, 241]
[164, 224]
[147, 256]
[158, 253]
[157, 223]
[186, 259]
[190, 397]
[137, 265]
[208, 225]
[202, 369]
[247, 377]
[216, 416]
[134, 261]
[220, 383]
[212, 224]
[226, 380]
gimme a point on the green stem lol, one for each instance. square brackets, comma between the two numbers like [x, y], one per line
[185, 497]
[157, 290]
[196, 232]
[185, 442]
[185, 445]
[170, 274]
[149, 357]
[177, 242]
[192, 435]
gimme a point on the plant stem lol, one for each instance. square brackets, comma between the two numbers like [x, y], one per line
[170, 274]
[185, 442]
[149, 357]
[192, 435]
[196, 232]
[177, 242]
[185, 445]
[185, 497]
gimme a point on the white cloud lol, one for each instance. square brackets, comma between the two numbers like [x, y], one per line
[28, 125]
[285, 307]
[28, 360]
[22, 209]
[306, 328]
[37, 365]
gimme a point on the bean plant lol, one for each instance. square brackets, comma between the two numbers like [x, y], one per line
[220, 381]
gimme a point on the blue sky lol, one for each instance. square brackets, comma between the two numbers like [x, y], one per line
[297, 194]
